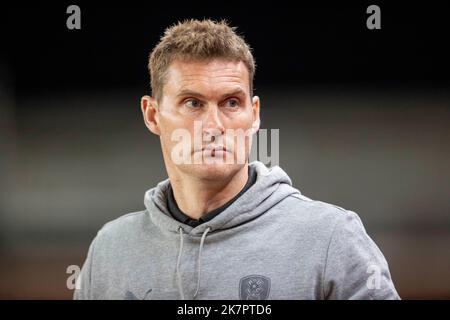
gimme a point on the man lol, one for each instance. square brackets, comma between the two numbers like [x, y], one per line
[219, 227]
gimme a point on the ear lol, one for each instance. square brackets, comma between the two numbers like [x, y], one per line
[255, 110]
[149, 107]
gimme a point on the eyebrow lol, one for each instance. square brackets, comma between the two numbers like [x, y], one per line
[186, 92]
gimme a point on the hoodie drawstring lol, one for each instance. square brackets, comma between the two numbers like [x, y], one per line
[199, 263]
[180, 285]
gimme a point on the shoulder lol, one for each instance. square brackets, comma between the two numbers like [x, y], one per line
[125, 227]
[316, 216]
[126, 220]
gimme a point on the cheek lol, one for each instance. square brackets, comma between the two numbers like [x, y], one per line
[243, 124]
[175, 129]
[243, 120]
[170, 121]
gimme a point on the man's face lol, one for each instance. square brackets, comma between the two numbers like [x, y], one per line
[206, 118]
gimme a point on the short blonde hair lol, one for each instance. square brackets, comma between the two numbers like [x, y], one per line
[195, 40]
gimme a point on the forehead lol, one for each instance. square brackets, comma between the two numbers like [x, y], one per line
[212, 76]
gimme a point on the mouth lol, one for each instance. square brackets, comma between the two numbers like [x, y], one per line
[214, 151]
[214, 148]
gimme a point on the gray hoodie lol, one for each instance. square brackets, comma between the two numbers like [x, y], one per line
[271, 243]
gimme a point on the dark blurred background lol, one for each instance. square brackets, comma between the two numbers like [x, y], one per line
[364, 120]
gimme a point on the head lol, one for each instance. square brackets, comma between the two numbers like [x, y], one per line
[202, 105]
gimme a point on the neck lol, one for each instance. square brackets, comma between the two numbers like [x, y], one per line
[195, 196]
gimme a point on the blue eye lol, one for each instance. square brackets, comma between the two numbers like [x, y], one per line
[233, 103]
[192, 103]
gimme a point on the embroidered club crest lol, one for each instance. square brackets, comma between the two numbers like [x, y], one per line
[254, 287]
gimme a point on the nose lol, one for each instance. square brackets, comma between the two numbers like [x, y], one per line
[212, 124]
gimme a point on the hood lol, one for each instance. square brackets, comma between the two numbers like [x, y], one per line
[272, 185]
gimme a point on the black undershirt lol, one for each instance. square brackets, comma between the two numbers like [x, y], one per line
[182, 217]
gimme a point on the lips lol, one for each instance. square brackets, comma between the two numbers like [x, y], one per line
[214, 151]
[214, 148]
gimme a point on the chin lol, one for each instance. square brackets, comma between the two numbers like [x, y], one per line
[214, 171]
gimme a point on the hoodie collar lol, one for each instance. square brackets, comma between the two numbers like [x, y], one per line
[179, 215]
[271, 186]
